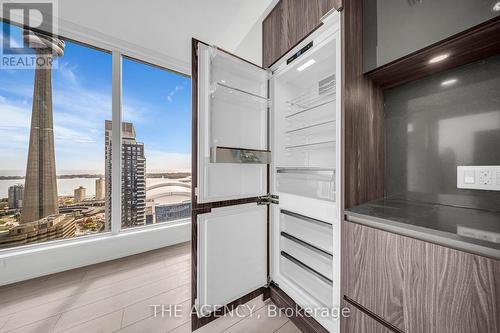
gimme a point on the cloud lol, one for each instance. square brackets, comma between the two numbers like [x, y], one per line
[67, 72]
[170, 96]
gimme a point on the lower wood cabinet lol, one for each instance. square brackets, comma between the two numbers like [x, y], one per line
[418, 286]
[446, 290]
[375, 271]
[359, 322]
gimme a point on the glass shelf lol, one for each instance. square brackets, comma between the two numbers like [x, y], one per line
[238, 96]
[319, 94]
[311, 144]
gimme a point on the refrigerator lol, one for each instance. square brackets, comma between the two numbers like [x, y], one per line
[267, 176]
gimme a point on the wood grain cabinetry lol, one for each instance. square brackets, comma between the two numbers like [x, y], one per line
[420, 287]
[288, 23]
[446, 290]
[375, 271]
[273, 35]
[360, 322]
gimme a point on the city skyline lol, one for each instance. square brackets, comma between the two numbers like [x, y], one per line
[160, 110]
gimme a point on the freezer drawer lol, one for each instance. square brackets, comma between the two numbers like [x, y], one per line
[319, 260]
[312, 231]
[305, 278]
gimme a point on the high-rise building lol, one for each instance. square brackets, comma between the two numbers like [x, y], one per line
[99, 189]
[16, 196]
[80, 194]
[133, 177]
[40, 191]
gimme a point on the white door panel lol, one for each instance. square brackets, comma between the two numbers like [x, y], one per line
[232, 113]
[233, 181]
[232, 253]
[239, 124]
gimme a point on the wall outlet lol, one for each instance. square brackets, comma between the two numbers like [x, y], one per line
[479, 177]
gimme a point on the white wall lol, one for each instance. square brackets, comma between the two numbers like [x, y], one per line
[250, 46]
[38, 260]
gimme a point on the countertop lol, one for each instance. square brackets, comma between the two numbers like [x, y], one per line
[471, 230]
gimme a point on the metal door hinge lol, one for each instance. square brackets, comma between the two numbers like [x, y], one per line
[269, 199]
[270, 282]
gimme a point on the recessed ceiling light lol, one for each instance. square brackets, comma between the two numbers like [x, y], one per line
[306, 64]
[439, 58]
[449, 82]
[496, 7]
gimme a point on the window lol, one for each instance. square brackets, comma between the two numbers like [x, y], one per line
[55, 183]
[52, 170]
[157, 133]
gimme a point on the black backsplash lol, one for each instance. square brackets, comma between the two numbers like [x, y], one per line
[437, 123]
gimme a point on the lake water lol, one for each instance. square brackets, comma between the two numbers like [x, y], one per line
[67, 186]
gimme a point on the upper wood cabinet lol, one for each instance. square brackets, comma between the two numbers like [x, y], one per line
[273, 35]
[288, 23]
[416, 286]
[393, 29]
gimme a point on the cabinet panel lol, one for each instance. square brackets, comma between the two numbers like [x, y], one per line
[303, 16]
[359, 322]
[446, 290]
[274, 36]
[393, 28]
[374, 271]
[288, 23]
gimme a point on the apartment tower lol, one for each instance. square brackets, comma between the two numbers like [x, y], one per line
[99, 189]
[80, 194]
[16, 193]
[133, 177]
[40, 189]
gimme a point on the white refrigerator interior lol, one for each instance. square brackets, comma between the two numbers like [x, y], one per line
[306, 170]
[275, 133]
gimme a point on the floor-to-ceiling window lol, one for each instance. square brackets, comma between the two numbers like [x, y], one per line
[52, 143]
[156, 145]
[56, 150]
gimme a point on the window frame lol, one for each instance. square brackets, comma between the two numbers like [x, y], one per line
[118, 53]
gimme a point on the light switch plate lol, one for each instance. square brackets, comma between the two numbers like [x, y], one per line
[486, 177]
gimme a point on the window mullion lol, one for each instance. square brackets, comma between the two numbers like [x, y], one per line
[116, 148]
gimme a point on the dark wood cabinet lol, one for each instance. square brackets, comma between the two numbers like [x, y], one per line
[288, 23]
[274, 37]
[446, 290]
[420, 287]
[394, 29]
[375, 271]
[360, 322]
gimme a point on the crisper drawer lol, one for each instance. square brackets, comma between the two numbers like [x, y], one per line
[306, 278]
[319, 260]
[315, 232]
[308, 182]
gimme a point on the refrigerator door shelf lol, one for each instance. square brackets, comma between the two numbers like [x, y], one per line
[239, 155]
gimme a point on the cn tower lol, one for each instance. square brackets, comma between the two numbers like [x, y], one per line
[40, 188]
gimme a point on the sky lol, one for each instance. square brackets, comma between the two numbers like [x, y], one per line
[156, 101]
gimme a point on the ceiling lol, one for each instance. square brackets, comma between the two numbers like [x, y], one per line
[166, 26]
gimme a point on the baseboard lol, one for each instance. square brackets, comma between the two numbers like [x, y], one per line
[197, 322]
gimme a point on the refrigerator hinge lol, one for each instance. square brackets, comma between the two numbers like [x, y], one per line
[270, 282]
[269, 199]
